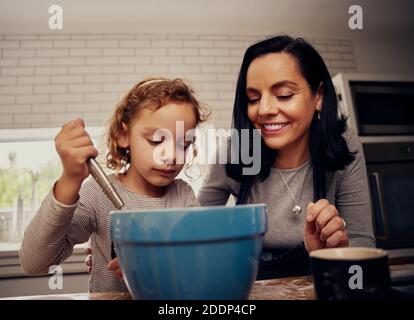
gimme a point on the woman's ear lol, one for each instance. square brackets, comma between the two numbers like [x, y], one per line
[123, 136]
[319, 98]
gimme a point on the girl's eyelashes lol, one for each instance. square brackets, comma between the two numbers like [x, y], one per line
[153, 142]
[156, 143]
[155, 139]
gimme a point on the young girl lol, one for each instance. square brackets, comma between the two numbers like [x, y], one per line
[74, 212]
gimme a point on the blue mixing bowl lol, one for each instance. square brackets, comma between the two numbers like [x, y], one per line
[197, 253]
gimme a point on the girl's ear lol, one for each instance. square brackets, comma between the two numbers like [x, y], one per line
[319, 98]
[123, 136]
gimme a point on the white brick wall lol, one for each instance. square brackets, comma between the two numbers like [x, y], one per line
[46, 80]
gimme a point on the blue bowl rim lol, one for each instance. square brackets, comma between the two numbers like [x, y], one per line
[125, 234]
[187, 209]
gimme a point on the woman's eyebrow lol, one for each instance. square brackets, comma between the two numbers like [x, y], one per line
[285, 83]
[279, 84]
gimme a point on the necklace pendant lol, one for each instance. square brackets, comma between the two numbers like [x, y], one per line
[297, 210]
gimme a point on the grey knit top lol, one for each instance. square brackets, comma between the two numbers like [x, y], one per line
[346, 189]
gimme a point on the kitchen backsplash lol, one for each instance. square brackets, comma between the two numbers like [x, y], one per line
[46, 80]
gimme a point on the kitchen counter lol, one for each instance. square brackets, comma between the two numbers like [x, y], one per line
[292, 288]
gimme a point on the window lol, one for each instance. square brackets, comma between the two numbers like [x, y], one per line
[29, 165]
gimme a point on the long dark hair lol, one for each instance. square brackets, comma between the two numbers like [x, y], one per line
[328, 148]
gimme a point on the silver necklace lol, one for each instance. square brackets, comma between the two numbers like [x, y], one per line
[297, 209]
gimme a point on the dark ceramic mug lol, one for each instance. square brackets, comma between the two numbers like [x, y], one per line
[350, 273]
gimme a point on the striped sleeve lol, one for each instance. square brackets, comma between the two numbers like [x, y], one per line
[56, 228]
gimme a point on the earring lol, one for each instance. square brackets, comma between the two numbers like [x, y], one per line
[319, 114]
[126, 158]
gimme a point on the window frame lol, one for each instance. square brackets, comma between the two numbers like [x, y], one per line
[10, 266]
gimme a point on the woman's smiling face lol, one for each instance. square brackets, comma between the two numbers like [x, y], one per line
[280, 101]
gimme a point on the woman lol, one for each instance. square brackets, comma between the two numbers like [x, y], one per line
[312, 175]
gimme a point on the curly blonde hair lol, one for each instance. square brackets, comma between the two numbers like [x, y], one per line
[150, 93]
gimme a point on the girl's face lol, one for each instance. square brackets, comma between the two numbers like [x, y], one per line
[280, 101]
[159, 162]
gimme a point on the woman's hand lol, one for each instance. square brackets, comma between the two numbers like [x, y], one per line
[88, 259]
[324, 228]
[115, 267]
